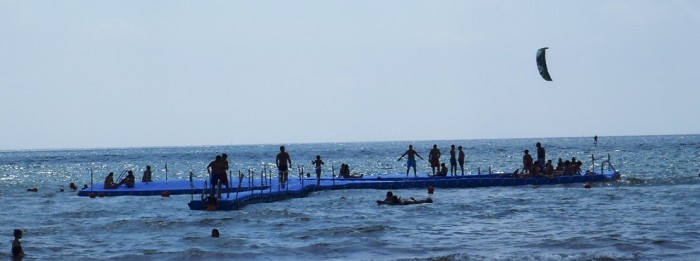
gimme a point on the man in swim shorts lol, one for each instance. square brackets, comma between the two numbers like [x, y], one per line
[284, 162]
[434, 158]
[411, 162]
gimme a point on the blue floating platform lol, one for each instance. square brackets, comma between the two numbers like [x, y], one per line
[271, 190]
[174, 187]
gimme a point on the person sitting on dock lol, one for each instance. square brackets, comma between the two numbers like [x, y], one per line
[147, 175]
[443, 171]
[130, 180]
[411, 162]
[345, 172]
[109, 181]
[548, 169]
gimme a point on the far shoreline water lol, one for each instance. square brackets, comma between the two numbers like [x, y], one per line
[326, 142]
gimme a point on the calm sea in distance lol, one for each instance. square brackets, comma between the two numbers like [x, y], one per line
[650, 214]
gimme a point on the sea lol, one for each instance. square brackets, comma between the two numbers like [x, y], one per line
[651, 213]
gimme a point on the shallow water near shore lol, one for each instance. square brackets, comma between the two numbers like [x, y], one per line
[649, 215]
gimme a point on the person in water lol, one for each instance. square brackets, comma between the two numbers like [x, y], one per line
[318, 163]
[411, 162]
[147, 175]
[215, 233]
[283, 162]
[345, 172]
[389, 197]
[434, 158]
[109, 181]
[17, 251]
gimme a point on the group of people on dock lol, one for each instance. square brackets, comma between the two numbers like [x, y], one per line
[129, 180]
[540, 168]
[434, 160]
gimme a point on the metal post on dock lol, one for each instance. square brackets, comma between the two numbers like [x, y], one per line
[269, 176]
[92, 186]
[333, 173]
[478, 171]
[593, 164]
[166, 171]
[489, 170]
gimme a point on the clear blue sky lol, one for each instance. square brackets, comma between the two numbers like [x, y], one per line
[83, 74]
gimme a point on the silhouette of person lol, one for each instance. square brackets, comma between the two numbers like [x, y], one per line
[283, 162]
[411, 161]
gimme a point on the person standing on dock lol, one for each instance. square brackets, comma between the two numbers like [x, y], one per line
[213, 169]
[460, 158]
[283, 162]
[318, 163]
[453, 161]
[411, 162]
[223, 173]
[540, 155]
[527, 162]
[434, 158]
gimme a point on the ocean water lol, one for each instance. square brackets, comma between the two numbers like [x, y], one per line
[650, 214]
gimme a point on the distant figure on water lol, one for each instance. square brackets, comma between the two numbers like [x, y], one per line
[283, 162]
[147, 175]
[318, 163]
[434, 158]
[453, 160]
[109, 181]
[460, 159]
[411, 161]
[215, 233]
[595, 140]
[17, 252]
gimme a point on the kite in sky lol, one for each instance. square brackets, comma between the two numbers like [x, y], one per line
[542, 64]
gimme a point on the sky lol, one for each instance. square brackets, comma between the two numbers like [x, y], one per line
[93, 74]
